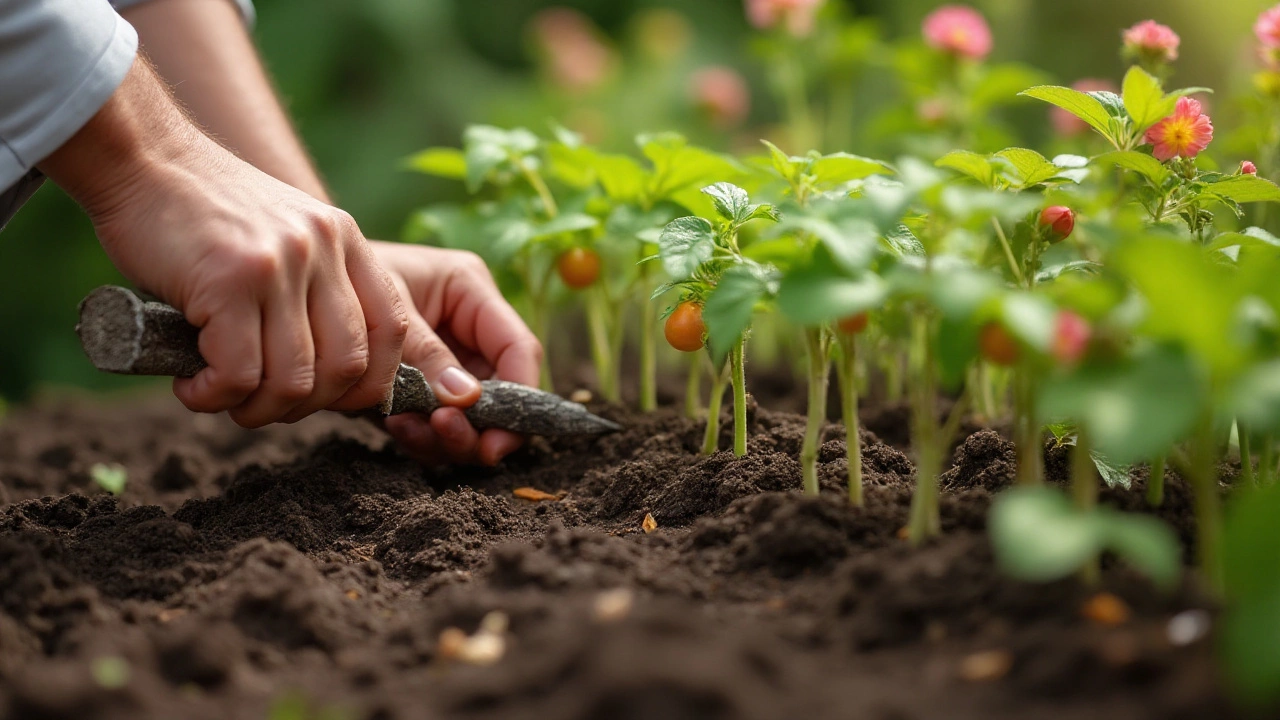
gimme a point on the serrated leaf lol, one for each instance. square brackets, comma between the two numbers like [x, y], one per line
[1144, 99]
[442, 162]
[1082, 105]
[1111, 102]
[1113, 474]
[685, 244]
[1245, 189]
[678, 165]
[838, 168]
[729, 308]
[901, 242]
[731, 202]
[1032, 167]
[1053, 272]
[1141, 163]
[972, 164]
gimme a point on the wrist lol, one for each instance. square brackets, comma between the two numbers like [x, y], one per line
[131, 139]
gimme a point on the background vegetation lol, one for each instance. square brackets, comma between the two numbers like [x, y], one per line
[370, 82]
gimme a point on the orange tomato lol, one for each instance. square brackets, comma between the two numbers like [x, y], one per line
[997, 345]
[853, 324]
[578, 267]
[684, 328]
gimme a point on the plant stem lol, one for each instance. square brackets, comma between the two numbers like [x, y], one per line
[600, 350]
[1155, 482]
[847, 375]
[816, 347]
[1008, 252]
[925, 521]
[1204, 487]
[540, 187]
[1246, 454]
[1084, 488]
[711, 441]
[541, 328]
[648, 358]
[1267, 462]
[1027, 437]
[737, 362]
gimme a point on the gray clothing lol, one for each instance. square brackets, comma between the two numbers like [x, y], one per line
[60, 60]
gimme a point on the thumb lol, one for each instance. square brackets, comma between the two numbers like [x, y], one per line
[424, 350]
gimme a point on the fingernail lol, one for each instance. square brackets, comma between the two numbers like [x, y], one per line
[458, 382]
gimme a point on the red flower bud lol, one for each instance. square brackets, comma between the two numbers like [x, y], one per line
[1057, 222]
[1071, 338]
[1248, 168]
[997, 345]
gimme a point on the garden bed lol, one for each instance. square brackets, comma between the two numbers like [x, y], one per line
[242, 573]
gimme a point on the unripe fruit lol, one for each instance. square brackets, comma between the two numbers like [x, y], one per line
[1248, 168]
[578, 267]
[684, 328]
[853, 324]
[1071, 338]
[997, 345]
[1057, 222]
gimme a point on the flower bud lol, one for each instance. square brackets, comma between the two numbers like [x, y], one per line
[1071, 337]
[958, 30]
[1151, 43]
[796, 15]
[1057, 222]
[1268, 28]
[1248, 168]
[722, 94]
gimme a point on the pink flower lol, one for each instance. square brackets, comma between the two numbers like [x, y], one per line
[1071, 338]
[958, 29]
[1152, 42]
[1268, 28]
[722, 94]
[797, 15]
[1248, 168]
[1068, 125]
[1183, 134]
[576, 58]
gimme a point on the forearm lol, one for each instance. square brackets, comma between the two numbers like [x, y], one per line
[201, 48]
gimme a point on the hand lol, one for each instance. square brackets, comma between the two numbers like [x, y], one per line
[295, 312]
[460, 328]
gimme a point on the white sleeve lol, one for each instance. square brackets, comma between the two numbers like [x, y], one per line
[59, 62]
[246, 8]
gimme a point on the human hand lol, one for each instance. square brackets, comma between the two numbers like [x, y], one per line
[460, 328]
[296, 314]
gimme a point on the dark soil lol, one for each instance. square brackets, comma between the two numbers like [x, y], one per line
[241, 574]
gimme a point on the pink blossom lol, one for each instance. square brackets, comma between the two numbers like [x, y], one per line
[1268, 28]
[1068, 125]
[1151, 41]
[1248, 168]
[576, 58]
[722, 94]
[958, 29]
[1183, 134]
[1071, 338]
[796, 15]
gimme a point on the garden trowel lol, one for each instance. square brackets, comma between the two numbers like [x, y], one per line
[122, 333]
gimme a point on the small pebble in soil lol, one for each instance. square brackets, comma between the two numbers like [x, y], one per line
[484, 648]
[581, 395]
[533, 494]
[649, 524]
[613, 605]
[1105, 609]
[1188, 627]
[986, 666]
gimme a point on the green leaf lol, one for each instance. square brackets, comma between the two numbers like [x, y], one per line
[685, 244]
[566, 223]
[820, 293]
[109, 477]
[621, 177]
[482, 159]
[1255, 397]
[972, 164]
[729, 308]
[1032, 167]
[1082, 105]
[1039, 536]
[1141, 163]
[1134, 409]
[852, 243]
[678, 165]
[1144, 99]
[440, 161]
[789, 168]
[1145, 543]
[1031, 318]
[1250, 237]
[902, 242]
[731, 201]
[1113, 474]
[838, 168]
[1245, 189]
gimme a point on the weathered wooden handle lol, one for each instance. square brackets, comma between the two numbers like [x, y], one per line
[122, 333]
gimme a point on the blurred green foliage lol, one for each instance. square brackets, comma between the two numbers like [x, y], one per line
[370, 82]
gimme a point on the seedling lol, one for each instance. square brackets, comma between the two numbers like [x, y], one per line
[110, 477]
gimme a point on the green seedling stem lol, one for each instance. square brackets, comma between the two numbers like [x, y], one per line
[1084, 489]
[1200, 468]
[1246, 454]
[817, 347]
[1030, 448]
[737, 362]
[601, 344]
[711, 440]
[1155, 482]
[648, 347]
[1267, 461]
[847, 376]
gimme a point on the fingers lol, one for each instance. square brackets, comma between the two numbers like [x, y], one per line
[289, 361]
[441, 438]
[341, 343]
[425, 350]
[387, 324]
[231, 344]
[479, 318]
